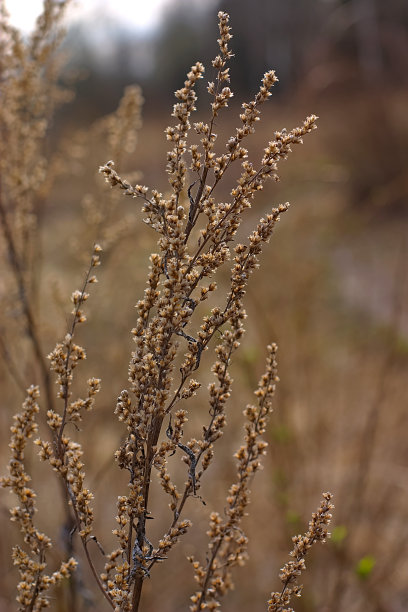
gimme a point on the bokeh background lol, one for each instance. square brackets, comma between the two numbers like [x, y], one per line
[331, 290]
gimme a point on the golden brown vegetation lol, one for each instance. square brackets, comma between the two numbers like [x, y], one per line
[166, 433]
[195, 234]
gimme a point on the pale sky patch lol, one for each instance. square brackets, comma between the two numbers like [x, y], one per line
[137, 14]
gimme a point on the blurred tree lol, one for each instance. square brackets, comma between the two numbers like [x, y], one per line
[343, 52]
[186, 32]
[312, 43]
[270, 33]
[103, 57]
[369, 37]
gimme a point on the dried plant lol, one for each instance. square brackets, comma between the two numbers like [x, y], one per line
[29, 70]
[116, 136]
[34, 582]
[317, 532]
[173, 331]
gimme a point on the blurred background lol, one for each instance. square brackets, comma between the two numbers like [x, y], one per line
[331, 289]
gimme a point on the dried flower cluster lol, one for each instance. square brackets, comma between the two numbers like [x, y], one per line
[172, 332]
[194, 242]
[34, 582]
[228, 543]
[63, 454]
[290, 573]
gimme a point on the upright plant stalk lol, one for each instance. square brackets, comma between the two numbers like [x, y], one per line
[196, 239]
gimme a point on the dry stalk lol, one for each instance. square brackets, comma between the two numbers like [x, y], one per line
[196, 239]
